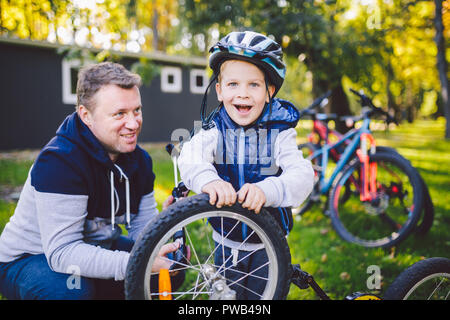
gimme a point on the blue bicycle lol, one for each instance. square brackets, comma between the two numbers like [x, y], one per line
[374, 196]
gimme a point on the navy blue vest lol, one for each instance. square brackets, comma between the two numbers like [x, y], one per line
[245, 155]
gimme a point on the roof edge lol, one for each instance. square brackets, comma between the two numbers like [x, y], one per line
[154, 55]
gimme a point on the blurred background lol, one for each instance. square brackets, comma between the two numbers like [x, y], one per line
[395, 50]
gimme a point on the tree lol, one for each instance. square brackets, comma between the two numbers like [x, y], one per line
[442, 64]
[133, 25]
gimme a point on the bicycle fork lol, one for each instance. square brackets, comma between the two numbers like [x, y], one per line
[368, 170]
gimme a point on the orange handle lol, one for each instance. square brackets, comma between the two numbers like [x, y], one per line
[165, 286]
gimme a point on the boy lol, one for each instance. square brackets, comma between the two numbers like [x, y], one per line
[247, 151]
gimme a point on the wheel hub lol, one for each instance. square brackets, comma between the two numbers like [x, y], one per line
[217, 284]
[377, 205]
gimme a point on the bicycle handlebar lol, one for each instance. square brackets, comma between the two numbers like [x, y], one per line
[316, 103]
[367, 102]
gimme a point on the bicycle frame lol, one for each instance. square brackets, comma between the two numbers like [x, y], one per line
[323, 132]
[358, 139]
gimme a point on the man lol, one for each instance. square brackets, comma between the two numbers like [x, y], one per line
[63, 241]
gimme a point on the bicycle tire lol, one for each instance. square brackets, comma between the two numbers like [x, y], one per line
[416, 281]
[189, 210]
[374, 216]
[424, 225]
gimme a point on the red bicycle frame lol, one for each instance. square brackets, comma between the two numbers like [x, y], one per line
[368, 172]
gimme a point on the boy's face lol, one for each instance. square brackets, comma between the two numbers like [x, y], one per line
[242, 90]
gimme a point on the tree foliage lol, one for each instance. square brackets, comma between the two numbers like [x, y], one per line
[133, 25]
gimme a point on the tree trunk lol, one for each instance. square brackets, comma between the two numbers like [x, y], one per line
[340, 106]
[391, 103]
[155, 22]
[338, 102]
[442, 64]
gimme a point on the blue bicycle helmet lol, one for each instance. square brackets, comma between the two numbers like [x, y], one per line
[253, 47]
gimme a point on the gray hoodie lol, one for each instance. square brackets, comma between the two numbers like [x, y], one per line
[72, 201]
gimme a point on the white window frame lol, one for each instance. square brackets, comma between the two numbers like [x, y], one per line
[67, 96]
[176, 86]
[193, 80]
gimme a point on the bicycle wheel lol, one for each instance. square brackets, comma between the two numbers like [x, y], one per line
[314, 197]
[390, 215]
[427, 279]
[204, 279]
[426, 221]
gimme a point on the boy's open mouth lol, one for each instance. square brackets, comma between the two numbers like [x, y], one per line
[241, 108]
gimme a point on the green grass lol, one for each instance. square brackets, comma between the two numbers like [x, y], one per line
[339, 267]
[13, 173]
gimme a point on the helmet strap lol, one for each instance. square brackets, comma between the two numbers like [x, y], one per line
[206, 119]
[270, 99]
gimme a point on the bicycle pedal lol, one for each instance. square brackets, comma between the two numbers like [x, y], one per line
[299, 277]
[302, 284]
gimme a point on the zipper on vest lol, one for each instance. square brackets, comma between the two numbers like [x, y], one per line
[241, 157]
[241, 162]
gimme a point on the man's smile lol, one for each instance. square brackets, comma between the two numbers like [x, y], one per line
[129, 137]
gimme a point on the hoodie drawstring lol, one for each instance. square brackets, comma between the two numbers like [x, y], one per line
[114, 195]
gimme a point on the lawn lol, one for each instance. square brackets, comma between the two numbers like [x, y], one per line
[339, 267]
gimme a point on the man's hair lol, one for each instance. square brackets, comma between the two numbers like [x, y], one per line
[91, 78]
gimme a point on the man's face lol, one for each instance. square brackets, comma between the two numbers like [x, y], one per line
[242, 89]
[115, 118]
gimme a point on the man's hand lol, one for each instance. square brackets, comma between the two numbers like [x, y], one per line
[170, 199]
[221, 193]
[251, 197]
[168, 202]
[161, 261]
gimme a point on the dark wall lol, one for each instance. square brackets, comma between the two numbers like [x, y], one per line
[32, 107]
[31, 96]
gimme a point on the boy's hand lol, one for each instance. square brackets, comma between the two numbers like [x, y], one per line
[251, 197]
[221, 193]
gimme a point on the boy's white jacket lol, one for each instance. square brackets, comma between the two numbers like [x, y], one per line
[289, 189]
